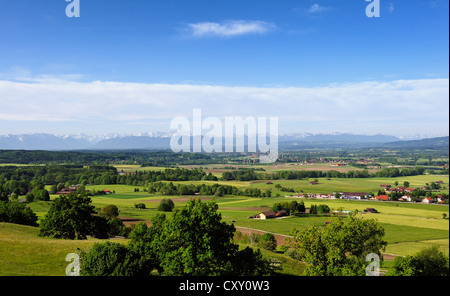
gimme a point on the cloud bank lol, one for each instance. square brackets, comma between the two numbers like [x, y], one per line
[394, 107]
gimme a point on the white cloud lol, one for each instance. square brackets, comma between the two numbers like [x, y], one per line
[228, 28]
[391, 7]
[413, 106]
[315, 8]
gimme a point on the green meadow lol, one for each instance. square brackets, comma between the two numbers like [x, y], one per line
[24, 253]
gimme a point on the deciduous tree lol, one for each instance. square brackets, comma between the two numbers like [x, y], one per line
[339, 248]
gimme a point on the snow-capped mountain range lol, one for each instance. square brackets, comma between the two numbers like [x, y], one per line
[161, 140]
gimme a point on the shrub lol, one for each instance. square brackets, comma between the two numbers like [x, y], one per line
[111, 259]
[267, 241]
[166, 205]
[427, 262]
[109, 212]
[140, 206]
[29, 197]
[323, 209]
[18, 213]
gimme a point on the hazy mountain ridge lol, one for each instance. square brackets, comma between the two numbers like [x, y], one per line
[42, 141]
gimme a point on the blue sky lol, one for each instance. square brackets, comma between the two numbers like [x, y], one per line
[228, 51]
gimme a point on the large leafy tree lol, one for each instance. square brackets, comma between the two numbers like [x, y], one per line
[69, 217]
[195, 242]
[339, 248]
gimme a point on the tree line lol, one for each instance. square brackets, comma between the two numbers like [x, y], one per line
[249, 175]
[217, 190]
[145, 158]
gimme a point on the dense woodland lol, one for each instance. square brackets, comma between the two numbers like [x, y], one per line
[421, 157]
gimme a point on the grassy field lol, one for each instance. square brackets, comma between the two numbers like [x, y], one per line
[351, 185]
[24, 253]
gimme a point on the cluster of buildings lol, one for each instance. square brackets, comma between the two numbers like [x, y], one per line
[365, 196]
[342, 195]
[68, 190]
[74, 188]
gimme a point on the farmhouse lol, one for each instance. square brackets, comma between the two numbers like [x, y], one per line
[281, 213]
[270, 214]
[267, 215]
[67, 190]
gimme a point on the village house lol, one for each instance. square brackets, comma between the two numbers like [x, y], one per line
[405, 198]
[381, 198]
[427, 200]
[326, 196]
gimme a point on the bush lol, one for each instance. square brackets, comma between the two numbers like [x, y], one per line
[18, 213]
[29, 197]
[140, 206]
[267, 241]
[41, 194]
[427, 262]
[109, 212]
[111, 259]
[166, 205]
[323, 209]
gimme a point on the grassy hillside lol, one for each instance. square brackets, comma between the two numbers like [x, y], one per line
[24, 253]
